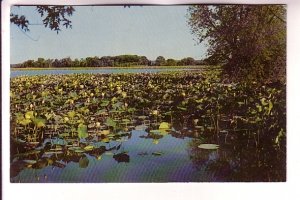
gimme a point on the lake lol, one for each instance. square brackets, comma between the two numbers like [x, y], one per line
[171, 127]
[15, 73]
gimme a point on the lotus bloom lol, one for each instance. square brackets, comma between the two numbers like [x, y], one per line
[66, 119]
[97, 124]
[196, 121]
[155, 112]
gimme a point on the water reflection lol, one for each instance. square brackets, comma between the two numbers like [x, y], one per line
[239, 162]
[167, 155]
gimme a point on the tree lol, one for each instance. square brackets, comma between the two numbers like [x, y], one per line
[143, 60]
[28, 63]
[66, 62]
[53, 17]
[248, 40]
[40, 62]
[171, 62]
[187, 61]
[76, 63]
[160, 61]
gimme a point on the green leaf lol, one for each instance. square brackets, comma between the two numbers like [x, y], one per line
[263, 101]
[29, 115]
[104, 103]
[270, 107]
[208, 146]
[111, 122]
[84, 162]
[82, 131]
[19, 116]
[25, 122]
[164, 125]
[88, 148]
[157, 153]
[71, 114]
[39, 122]
[181, 108]
[259, 108]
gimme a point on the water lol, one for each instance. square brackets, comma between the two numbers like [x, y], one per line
[142, 166]
[172, 158]
[16, 73]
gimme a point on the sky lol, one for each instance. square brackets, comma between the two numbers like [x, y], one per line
[150, 31]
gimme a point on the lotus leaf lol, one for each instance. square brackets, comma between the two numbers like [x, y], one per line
[111, 122]
[164, 125]
[39, 122]
[208, 146]
[29, 115]
[82, 131]
[157, 153]
[84, 162]
[88, 148]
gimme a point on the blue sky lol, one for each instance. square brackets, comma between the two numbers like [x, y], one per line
[109, 30]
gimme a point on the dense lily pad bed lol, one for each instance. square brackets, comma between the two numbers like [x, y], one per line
[60, 121]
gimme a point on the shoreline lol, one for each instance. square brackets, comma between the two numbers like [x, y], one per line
[132, 67]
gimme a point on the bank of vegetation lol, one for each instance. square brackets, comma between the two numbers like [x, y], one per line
[108, 61]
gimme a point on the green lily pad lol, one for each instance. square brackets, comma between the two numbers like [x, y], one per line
[30, 161]
[29, 115]
[25, 122]
[111, 122]
[39, 122]
[82, 131]
[157, 153]
[84, 162]
[164, 125]
[208, 146]
[88, 148]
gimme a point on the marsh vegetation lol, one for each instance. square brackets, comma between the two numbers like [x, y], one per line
[231, 131]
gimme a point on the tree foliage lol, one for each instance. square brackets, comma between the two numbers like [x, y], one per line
[107, 61]
[53, 17]
[160, 61]
[249, 40]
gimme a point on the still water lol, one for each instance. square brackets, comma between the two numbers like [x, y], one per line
[15, 73]
[139, 158]
[145, 161]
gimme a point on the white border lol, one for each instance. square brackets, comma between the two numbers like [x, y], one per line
[174, 191]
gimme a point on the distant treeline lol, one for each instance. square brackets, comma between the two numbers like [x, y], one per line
[108, 61]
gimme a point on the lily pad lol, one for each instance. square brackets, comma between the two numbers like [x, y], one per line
[84, 162]
[164, 125]
[39, 122]
[157, 153]
[30, 161]
[208, 146]
[82, 131]
[111, 122]
[88, 148]
[141, 127]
